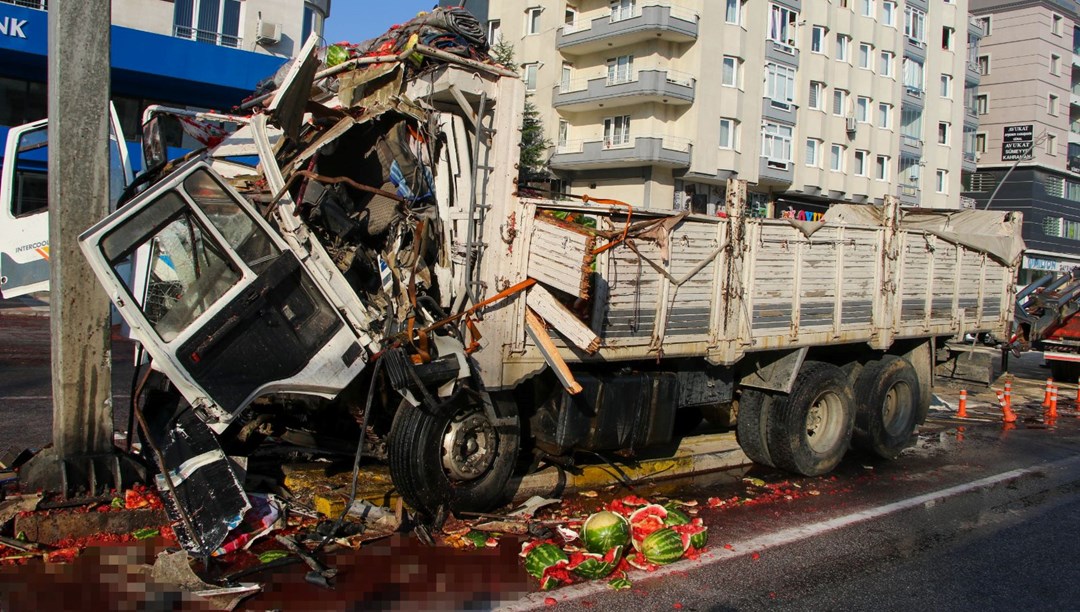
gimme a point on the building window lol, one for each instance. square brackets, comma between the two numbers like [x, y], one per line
[885, 115]
[867, 7]
[782, 26]
[530, 71]
[888, 13]
[313, 22]
[817, 39]
[885, 63]
[564, 134]
[915, 25]
[211, 21]
[914, 76]
[1051, 145]
[860, 162]
[1055, 25]
[909, 174]
[943, 129]
[980, 142]
[862, 109]
[532, 20]
[729, 76]
[776, 144]
[911, 126]
[984, 65]
[733, 11]
[1055, 64]
[570, 19]
[817, 95]
[866, 52]
[842, 42]
[839, 102]
[622, 9]
[947, 36]
[946, 86]
[1052, 104]
[494, 32]
[836, 157]
[942, 182]
[728, 129]
[982, 104]
[881, 167]
[780, 84]
[813, 152]
[566, 78]
[620, 70]
[616, 131]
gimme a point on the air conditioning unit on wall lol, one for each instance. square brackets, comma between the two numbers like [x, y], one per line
[267, 33]
[851, 125]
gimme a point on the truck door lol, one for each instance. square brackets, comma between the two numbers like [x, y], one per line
[24, 203]
[219, 301]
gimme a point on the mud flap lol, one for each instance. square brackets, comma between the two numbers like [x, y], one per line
[207, 485]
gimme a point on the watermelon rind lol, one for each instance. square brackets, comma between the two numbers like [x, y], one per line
[663, 546]
[645, 521]
[593, 566]
[542, 557]
[603, 531]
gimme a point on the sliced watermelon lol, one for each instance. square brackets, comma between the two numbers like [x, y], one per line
[638, 561]
[543, 556]
[694, 534]
[554, 575]
[605, 530]
[592, 566]
[663, 546]
[675, 516]
[645, 521]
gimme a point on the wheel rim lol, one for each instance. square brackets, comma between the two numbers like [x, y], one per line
[825, 422]
[895, 408]
[468, 446]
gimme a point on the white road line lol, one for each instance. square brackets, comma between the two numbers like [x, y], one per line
[781, 538]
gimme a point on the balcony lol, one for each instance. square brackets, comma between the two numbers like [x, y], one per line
[910, 194]
[207, 36]
[913, 96]
[664, 151]
[619, 29]
[911, 144]
[970, 162]
[973, 74]
[648, 85]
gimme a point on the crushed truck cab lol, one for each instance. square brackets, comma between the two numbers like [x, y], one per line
[380, 276]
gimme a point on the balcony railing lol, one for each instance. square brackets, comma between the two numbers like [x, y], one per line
[631, 151]
[671, 143]
[670, 23]
[582, 84]
[969, 156]
[909, 191]
[41, 5]
[911, 141]
[207, 36]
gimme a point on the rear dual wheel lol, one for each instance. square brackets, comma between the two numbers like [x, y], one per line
[888, 391]
[809, 430]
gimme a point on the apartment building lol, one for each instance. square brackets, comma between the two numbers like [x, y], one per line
[1028, 140]
[810, 101]
[195, 53]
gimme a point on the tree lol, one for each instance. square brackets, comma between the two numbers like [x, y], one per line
[534, 146]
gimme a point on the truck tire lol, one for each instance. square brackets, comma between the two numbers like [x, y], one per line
[810, 430]
[888, 404]
[455, 458]
[751, 425]
[1064, 371]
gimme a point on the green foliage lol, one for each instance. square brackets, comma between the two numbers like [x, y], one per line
[503, 52]
[534, 145]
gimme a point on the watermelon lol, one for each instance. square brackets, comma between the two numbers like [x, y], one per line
[695, 529]
[592, 566]
[543, 556]
[646, 520]
[663, 546]
[603, 531]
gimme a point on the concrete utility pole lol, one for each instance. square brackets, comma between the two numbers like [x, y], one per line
[79, 39]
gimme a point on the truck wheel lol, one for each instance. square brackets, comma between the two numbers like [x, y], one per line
[457, 457]
[810, 429]
[751, 425]
[1064, 371]
[888, 392]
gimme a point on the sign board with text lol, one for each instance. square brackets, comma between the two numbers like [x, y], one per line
[1017, 141]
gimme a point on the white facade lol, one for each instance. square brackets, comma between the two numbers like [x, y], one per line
[659, 102]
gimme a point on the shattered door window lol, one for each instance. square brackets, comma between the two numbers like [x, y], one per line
[189, 271]
[250, 242]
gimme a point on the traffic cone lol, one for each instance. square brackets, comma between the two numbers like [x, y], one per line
[1046, 395]
[1008, 393]
[1053, 403]
[961, 413]
[1078, 394]
[1007, 415]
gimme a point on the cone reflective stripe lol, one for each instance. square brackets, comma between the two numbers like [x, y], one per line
[1046, 395]
[962, 411]
[1008, 393]
[1007, 415]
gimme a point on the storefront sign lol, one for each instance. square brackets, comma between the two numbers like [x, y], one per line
[1017, 142]
[1038, 263]
[10, 26]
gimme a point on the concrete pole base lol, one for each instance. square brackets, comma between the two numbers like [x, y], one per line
[78, 476]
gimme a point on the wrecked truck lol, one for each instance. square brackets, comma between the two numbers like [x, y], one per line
[381, 273]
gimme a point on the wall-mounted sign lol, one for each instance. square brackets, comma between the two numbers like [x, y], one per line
[1044, 265]
[1017, 141]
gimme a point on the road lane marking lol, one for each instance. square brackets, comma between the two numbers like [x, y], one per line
[783, 537]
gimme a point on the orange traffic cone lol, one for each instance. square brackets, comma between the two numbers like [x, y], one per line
[1046, 395]
[1053, 403]
[1008, 393]
[961, 413]
[1078, 394]
[1007, 415]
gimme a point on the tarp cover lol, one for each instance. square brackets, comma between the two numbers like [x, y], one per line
[986, 231]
